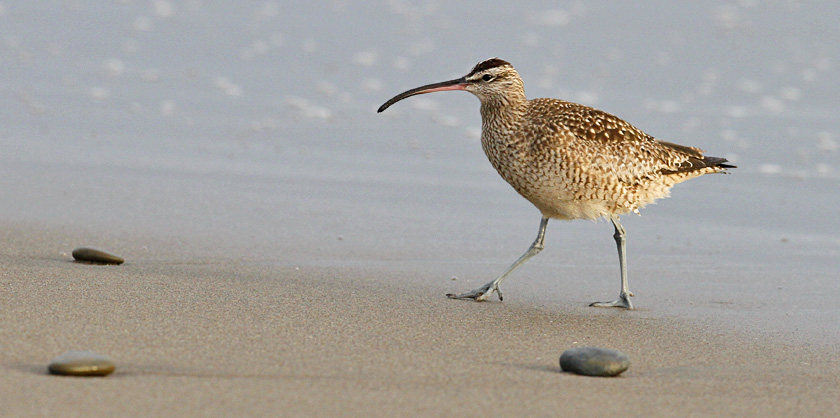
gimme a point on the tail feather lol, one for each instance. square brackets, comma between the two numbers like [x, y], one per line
[696, 160]
[694, 164]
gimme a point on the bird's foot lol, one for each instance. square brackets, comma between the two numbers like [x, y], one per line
[623, 301]
[480, 294]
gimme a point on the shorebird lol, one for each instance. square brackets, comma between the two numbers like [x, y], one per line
[569, 160]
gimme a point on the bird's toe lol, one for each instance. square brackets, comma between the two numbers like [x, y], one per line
[622, 302]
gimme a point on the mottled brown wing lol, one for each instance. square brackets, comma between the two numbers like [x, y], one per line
[603, 142]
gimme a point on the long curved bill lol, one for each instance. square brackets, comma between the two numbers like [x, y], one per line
[457, 84]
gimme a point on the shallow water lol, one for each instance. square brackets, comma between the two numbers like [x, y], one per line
[254, 129]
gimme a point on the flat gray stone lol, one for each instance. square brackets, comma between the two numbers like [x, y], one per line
[95, 255]
[81, 363]
[594, 361]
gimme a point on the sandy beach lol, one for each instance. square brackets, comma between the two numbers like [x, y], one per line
[288, 249]
[195, 336]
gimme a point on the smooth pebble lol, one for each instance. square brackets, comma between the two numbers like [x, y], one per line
[81, 363]
[95, 255]
[594, 361]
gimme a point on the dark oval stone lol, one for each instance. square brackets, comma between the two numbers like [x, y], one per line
[95, 255]
[594, 361]
[81, 363]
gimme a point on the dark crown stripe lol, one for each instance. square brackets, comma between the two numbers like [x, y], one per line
[489, 63]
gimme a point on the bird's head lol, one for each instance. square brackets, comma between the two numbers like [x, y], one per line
[490, 80]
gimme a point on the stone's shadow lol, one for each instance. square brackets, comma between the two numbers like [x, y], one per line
[137, 371]
[536, 367]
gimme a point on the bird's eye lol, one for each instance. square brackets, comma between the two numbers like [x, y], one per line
[487, 77]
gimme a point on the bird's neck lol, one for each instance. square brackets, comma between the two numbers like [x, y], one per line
[501, 116]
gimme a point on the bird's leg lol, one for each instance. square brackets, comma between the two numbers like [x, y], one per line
[485, 291]
[623, 300]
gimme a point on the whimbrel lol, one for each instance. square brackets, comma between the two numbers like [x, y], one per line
[569, 160]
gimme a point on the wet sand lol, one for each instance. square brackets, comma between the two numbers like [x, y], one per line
[216, 336]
